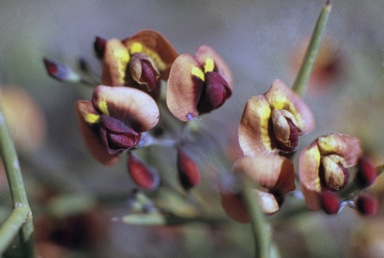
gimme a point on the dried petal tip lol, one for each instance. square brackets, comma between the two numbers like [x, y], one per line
[143, 175]
[366, 173]
[330, 202]
[187, 169]
[60, 72]
[99, 46]
[367, 204]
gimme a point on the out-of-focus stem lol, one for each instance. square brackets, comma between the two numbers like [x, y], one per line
[16, 185]
[313, 48]
[259, 225]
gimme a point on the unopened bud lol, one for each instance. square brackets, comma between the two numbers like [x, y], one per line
[367, 204]
[143, 175]
[187, 169]
[99, 47]
[366, 173]
[330, 202]
[60, 72]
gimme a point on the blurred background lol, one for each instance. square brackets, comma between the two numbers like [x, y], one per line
[261, 41]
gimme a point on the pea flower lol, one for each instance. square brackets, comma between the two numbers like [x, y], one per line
[198, 84]
[323, 166]
[114, 120]
[139, 61]
[274, 121]
[274, 176]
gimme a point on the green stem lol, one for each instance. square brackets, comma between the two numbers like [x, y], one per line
[16, 185]
[312, 50]
[11, 227]
[259, 225]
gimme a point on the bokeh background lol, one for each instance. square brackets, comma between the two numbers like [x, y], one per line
[261, 41]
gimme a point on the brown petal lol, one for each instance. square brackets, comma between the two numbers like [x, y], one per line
[280, 96]
[134, 107]
[184, 89]
[161, 51]
[92, 139]
[309, 164]
[116, 58]
[234, 207]
[272, 172]
[341, 144]
[203, 52]
[254, 137]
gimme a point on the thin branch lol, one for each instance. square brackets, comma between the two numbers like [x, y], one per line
[16, 185]
[312, 50]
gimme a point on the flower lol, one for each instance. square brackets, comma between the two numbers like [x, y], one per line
[60, 72]
[323, 166]
[272, 174]
[114, 120]
[274, 121]
[139, 61]
[198, 84]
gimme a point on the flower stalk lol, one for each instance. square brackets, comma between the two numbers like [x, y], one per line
[312, 50]
[21, 217]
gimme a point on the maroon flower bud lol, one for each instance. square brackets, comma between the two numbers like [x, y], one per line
[116, 135]
[366, 173]
[143, 175]
[189, 174]
[330, 202]
[99, 46]
[60, 72]
[367, 204]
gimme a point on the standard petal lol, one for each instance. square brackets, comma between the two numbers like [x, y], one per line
[184, 88]
[280, 96]
[116, 58]
[234, 207]
[155, 46]
[272, 172]
[92, 139]
[254, 131]
[341, 144]
[134, 107]
[309, 164]
[203, 52]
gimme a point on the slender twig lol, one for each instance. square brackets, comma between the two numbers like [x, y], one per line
[16, 185]
[11, 226]
[259, 225]
[312, 50]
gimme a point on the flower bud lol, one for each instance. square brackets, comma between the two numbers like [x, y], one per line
[366, 173]
[330, 202]
[99, 47]
[367, 204]
[143, 175]
[60, 72]
[187, 169]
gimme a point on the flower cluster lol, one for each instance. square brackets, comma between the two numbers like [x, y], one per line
[127, 103]
[271, 123]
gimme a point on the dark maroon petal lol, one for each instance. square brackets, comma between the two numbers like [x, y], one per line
[215, 93]
[143, 175]
[367, 204]
[330, 202]
[188, 171]
[366, 173]
[116, 135]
